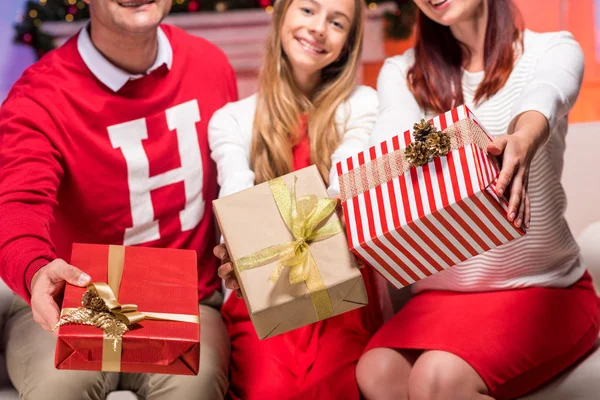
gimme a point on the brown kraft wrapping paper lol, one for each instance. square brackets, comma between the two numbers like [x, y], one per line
[250, 221]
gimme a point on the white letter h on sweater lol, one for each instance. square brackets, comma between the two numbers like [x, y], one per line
[128, 137]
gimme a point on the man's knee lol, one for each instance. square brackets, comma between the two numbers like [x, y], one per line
[69, 385]
[215, 351]
[213, 374]
[212, 379]
[211, 382]
[30, 363]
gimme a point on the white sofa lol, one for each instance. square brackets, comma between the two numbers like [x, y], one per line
[582, 381]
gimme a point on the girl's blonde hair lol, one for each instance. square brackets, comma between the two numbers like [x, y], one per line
[280, 103]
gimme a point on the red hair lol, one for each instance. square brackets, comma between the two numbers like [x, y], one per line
[435, 78]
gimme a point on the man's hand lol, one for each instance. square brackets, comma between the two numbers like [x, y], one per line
[48, 284]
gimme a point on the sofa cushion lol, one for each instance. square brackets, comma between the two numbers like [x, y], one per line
[580, 382]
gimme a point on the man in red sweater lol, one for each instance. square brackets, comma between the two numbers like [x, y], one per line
[104, 140]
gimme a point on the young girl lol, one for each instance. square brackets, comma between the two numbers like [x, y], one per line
[307, 111]
[503, 323]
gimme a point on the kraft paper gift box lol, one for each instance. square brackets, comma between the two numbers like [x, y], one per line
[253, 222]
[412, 210]
[156, 289]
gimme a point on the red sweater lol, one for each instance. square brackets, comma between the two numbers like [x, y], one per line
[80, 163]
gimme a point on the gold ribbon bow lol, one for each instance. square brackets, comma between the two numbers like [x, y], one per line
[126, 313]
[392, 165]
[100, 308]
[303, 218]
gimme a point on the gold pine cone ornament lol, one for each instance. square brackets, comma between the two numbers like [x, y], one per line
[422, 129]
[417, 154]
[95, 312]
[438, 144]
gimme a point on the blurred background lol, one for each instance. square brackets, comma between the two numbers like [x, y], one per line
[30, 28]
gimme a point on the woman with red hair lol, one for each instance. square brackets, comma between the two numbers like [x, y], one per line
[502, 323]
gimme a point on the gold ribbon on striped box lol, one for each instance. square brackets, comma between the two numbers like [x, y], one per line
[392, 165]
[100, 308]
[302, 218]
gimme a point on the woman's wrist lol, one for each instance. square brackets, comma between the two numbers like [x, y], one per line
[533, 127]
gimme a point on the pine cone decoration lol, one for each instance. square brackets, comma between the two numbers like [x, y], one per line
[92, 301]
[423, 129]
[112, 326]
[95, 313]
[416, 153]
[438, 144]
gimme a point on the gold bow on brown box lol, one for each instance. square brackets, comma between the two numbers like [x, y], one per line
[290, 253]
[302, 217]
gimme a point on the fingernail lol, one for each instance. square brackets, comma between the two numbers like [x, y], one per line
[236, 286]
[83, 278]
[518, 223]
[500, 191]
[512, 216]
[527, 225]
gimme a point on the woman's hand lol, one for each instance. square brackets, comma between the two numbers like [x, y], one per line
[226, 270]
[530, 130]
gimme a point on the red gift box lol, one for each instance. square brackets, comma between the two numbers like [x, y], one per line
[410, 217]
[162, 281]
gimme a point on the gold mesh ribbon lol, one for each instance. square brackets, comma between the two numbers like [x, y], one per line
[302, 217]
[100, 308]
[392, 165]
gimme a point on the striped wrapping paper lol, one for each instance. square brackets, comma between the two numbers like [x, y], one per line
[429, 218]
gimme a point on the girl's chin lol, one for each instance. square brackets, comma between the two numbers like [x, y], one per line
[306, 65]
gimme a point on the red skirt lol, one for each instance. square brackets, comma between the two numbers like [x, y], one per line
[516, 340]
[314, 362]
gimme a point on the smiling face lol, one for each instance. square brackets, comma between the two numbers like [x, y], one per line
[314, 32]
[449, 12]
[129, 16]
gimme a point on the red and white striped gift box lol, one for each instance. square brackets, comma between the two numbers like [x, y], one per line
[431, 217]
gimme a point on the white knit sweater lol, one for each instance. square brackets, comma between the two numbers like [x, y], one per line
[546, 78]
[230, 138]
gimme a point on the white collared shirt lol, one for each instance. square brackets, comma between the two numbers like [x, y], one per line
[108, 73]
